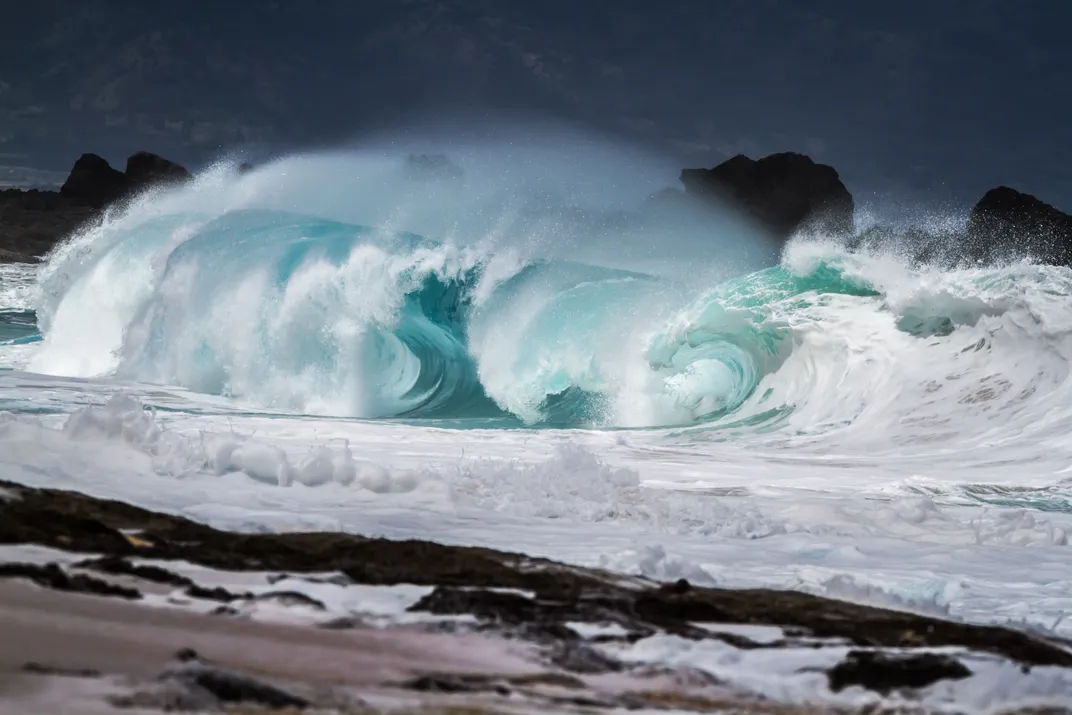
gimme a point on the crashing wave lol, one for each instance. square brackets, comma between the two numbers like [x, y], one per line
[210, 290]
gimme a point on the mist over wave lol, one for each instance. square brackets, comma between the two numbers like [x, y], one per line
[538, 287]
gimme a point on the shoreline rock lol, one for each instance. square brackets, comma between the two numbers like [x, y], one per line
[33, 222]
[1007, 223]
[134, 594]
[784, 193]
[469, 580]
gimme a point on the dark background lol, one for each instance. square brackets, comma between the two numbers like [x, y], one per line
[933, 101]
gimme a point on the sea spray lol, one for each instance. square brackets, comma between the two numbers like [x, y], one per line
[340, 285]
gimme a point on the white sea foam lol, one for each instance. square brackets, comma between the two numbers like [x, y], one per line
[18, 281]
[581, 496]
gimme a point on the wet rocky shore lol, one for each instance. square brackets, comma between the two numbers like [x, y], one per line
[208, 620]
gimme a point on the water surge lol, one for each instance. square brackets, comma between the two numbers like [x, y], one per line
[499, 311]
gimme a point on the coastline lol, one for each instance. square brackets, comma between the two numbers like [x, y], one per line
[111, 606]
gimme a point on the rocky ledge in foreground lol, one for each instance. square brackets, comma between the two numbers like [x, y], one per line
[208, 620]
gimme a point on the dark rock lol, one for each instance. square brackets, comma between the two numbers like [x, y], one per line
[343, 623]
[1005, 225]
[886, 672]
[245, 167]
[542, 619]
[39, 669]
[94, 182]
[196, 686]
[232, 687]
[784, 193]
[464, 577]
[677, 587]
[590, 703]
[510, 608]
[168, 696]
[54, 577]
[291, 598]
[185, 655]
[742, 643]
[548, 632]
[120, 566]
[1009, 224]
[550, 679]
[217, 593]
[452, 683]
[580, 658]
[33, 222]
[146, 169]
[335, 580]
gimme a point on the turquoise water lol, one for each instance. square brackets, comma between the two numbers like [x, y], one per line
[296, 312]
[18, 327]
[290, 312]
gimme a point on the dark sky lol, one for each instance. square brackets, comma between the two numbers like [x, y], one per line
[911, 101]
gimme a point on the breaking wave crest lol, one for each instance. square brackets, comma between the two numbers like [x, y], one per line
[223, 291]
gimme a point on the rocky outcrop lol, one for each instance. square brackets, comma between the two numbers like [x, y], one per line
[330, 619]
[145, 169]
[541, 600]
[32, 222]
[94, 182]
[1009, 224]
[784, 193]
[1005, 225]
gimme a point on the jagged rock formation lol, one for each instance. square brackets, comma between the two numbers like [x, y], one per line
[32, 222]
[784, 193]
[573, 624]
[145, 169]
[94, 182]
[1005, 225]
[1009, 224]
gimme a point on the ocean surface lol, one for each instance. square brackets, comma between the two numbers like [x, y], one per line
[521, 359]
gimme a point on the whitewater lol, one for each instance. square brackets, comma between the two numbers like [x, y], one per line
[521, 357]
